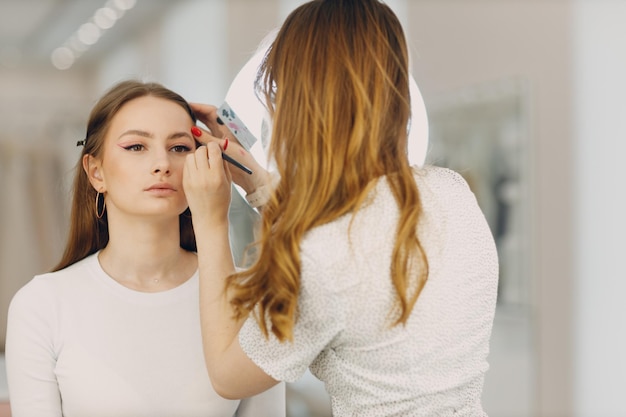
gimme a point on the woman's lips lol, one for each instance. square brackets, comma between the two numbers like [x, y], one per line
[161, 189]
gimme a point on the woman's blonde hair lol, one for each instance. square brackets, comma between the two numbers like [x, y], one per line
[336, 83]
[88, 233]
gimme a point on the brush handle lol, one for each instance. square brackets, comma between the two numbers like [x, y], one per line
[237, 164]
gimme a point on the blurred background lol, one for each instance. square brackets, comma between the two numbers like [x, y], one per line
[525, 98]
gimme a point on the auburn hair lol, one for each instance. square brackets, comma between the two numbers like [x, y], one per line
[88, 233]
[336, 83]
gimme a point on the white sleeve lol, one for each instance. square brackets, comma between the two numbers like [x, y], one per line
[270, 403]
[320, 319]
[30, 354]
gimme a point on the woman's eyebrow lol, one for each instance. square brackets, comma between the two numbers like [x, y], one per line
[143, 133]
[137, 133]
[177, 135]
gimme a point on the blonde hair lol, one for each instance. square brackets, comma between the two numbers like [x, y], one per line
[88, 233]
[336, 83]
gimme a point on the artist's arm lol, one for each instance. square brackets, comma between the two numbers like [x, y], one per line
[207, 187]
[271, 403]
[30, 354]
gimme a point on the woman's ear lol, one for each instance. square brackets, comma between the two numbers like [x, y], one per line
[93, 169]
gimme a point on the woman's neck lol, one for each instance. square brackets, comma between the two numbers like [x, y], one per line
[146, 256]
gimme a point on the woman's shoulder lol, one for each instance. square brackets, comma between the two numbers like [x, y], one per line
[48, 285]
[437, 177]
[443, 187]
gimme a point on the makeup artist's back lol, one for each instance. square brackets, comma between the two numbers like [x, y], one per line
[378, 276]
[434, 363]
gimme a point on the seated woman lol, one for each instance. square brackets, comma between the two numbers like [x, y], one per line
[114, 329]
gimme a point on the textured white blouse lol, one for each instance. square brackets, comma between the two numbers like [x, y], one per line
[433, 366]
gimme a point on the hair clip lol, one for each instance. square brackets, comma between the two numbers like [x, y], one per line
[81, 142]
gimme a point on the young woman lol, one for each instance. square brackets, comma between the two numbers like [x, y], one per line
[378, 276]
[114, 329]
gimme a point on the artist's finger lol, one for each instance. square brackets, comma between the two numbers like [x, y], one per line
[198, 134]
[215, 158]
[209, 115]
[202, 159]
[203, 108]
[190, 163]
[203, 137]
[206, 113]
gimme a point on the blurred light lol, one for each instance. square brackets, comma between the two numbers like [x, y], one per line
[105, 18]
[76, 44]
[89, 33]
[112, 4]
[124, 4]
[62, 58]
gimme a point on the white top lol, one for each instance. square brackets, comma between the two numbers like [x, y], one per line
[433, 366]
[79, 344]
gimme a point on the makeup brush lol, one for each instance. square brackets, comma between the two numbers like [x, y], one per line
[237, 164]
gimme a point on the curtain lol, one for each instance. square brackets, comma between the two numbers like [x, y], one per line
[33, 221]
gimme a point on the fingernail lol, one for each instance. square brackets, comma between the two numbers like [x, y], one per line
[219, 121]
[225, 143]
[196, 131]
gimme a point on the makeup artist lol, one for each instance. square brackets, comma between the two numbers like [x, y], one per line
[378, 276]
[114, 329]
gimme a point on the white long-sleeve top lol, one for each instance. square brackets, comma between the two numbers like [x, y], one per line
[79, 344]
[432, 366]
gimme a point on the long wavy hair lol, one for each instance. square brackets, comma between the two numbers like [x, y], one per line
[336, 83]
[88, 233]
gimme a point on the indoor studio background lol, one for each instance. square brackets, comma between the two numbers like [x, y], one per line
[524, 98]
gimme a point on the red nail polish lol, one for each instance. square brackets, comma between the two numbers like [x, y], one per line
[196, 131]
[226, 144]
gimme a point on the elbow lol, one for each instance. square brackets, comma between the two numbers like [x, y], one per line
[225, 387]
[225, 391]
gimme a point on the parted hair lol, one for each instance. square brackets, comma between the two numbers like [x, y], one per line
[88, 233]
[336, 83]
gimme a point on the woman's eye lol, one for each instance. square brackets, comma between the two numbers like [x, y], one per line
[136, 147]
[181, 148]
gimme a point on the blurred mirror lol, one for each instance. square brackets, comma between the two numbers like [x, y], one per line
[482, 132]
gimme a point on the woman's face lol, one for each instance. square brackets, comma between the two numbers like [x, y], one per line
[144, 153]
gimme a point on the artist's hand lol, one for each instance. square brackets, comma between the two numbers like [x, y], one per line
[207, 185]
[220, 134]
[207, 114]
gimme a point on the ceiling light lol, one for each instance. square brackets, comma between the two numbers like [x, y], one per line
[105, 18]
[62, 58]
[90, 32]
[124, 4]
[75, 44]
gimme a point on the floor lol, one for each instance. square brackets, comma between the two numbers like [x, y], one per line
[507, 391]
[509, 381]
[4, 391]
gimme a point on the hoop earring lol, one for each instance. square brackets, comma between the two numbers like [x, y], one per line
[100, 213]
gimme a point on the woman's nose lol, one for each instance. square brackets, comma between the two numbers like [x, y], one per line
[162, 164]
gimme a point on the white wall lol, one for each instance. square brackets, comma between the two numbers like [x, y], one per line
[186, 50]
[457, 44]
[194, 50]
[599, 87]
